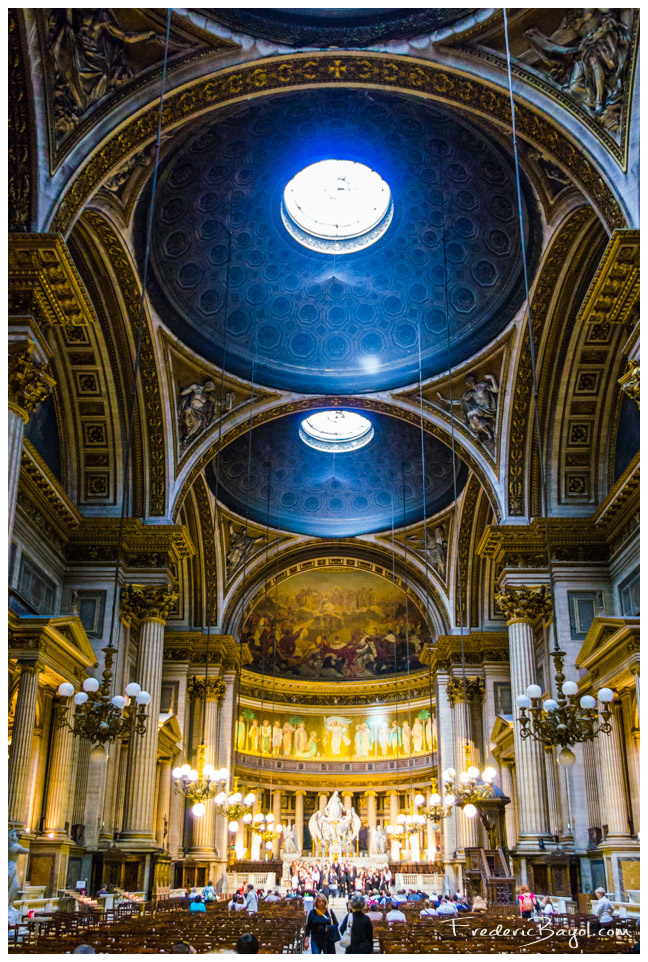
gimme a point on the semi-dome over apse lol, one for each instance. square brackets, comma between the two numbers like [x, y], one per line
[293, 486]
[448, 262]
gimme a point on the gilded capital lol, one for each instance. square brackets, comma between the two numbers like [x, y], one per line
[211, 689]
[630, 381]
[147, 601]
[28, 379]
[524, 603]
[459, 690]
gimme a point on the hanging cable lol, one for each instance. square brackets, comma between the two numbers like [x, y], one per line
[138, 344]
[534, 378]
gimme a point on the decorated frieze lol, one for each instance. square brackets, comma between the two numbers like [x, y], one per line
[142, 546]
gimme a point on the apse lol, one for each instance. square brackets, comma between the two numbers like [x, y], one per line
[250, 270]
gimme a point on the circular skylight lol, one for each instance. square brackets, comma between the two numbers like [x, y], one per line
[337, 206]
[336, 431]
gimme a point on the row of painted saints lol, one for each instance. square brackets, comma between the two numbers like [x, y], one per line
[335, 736]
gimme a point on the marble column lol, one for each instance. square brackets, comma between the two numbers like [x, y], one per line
[207, 697]
[151, 604]
[508, 787]
[163, 802]
[225, 751]
[523, 606]
[299, 818]
[371, 797]
[459, 694]
[58, 787]
[255, 842]
[113, 801]
[276, 811]
[322, 798]
[614, 812]
[347, 800]
[632, 749]
[20, 751]
[445, 755]
[29, 383]
[430, 835]
[394, 811]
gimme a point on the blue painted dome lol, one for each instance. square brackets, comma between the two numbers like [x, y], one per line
[325, 495]
[303, 320]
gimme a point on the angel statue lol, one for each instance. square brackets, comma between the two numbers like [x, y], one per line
[15, 849]
[290, 844]
[479, 405]
[378, 841]
[196, 409]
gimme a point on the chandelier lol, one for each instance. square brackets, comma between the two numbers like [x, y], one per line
[407, 825]
[436, 809]
[264, 826]
[471, 789]
[234, 806]
[201, 783]
[97, 716]
[563, 721]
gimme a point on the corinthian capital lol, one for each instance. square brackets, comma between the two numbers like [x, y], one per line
[524, 603]
[29, 380]
[630, 381]
[458, 689]
[147, 601]
[211, 689]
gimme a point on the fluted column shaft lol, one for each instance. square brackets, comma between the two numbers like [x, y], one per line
[394, 809]
[16, 433]
[204, 828]
[139, 810]
[467, 829]
[529, 755]
[163, 801]
[508, 787]
[615, 812]
[21, 744]
[299, 818]
[276, 811]
[430, 836]
[58, 787]
[81, 781]
[371, 810]
[225, 752]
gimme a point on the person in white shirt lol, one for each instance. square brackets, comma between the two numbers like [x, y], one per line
[237, 904]
[394, 914]
[251, 900]
[446, 908]
[547, 906]
[604, 908]
[427, 910]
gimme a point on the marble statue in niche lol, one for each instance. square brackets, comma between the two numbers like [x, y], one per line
[15, 849]
[478, 404]
[433, 549]
[240, 543]
[590, 66]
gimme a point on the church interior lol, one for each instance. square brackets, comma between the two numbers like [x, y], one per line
[323, 461]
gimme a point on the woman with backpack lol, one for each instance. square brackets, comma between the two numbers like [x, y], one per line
[357, 929]
[527, 902]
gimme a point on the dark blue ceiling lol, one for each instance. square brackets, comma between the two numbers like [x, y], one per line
[307, 321]
[317, 493]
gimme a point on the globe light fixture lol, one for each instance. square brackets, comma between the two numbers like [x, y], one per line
[199, 784]
[99, 717]
[470, 789]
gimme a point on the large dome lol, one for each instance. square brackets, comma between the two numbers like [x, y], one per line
[307, 321]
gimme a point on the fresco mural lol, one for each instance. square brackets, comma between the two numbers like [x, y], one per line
[397, 734]
[335, 624]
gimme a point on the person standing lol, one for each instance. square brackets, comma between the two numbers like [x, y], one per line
[604, 908]
[361, 927]
[251, 900]
[321, 928]
[527, 902]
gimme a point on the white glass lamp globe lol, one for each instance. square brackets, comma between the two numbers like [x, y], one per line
[257, 818]
[80, 698]
[435, 799]
[419, 800]
[118, 701]
[605, 695]
[236, 798]
[400, 818]
[587, 701]
[133, 689]
[464, 778]
[143, 698]
[247, 818]
[209, 771]
[473, 771]
[223, 774]
[550, 704]
[389, 829]
[570, 688]
[534, 691]
[470, 811]
[489, 774]
[90, 685]
[566, 758]
[279, 829]
[177, 773]
[450, 800]
[449, 774]
[233, 827]
[193, 775]
[66, 689]
[270, 817]
[220, 798]
[186, 769]
[523, 701]
[198, 810]
[249, 798]
[268, 845]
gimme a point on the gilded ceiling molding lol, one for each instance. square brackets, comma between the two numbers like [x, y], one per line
[45, 284]
[37, 479]
[472, 647]
[129, 288]
[309, 403]
[617, 516]
[542, 301]
[574, 540]
[372, 70]
[141, 546]
[286, 691]
[21, 159]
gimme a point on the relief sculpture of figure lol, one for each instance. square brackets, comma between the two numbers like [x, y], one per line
[196, 409]
[479, 405]
[15, 849]
[87, 47]
[378, 841]
[240, 543]
[590, 67]
[290, 844]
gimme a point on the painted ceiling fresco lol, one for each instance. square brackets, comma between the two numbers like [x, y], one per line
[335, 624]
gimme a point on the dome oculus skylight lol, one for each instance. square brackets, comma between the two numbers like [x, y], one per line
[337, 206]
[336, 431]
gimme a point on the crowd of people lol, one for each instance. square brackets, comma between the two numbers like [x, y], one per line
[338, 879]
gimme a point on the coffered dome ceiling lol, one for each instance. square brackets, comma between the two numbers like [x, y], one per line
[325, 495]
[303, 320]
